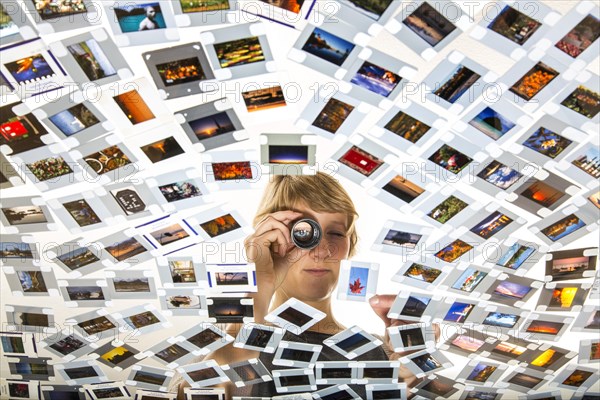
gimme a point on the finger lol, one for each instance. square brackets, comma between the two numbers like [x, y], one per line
[272, 223]
[286, 217]
[437, 332]
[258, 246]
[405, 353]
[381, 304]
[393, 330]
[276, 241]
[399, 322]
[405, 374]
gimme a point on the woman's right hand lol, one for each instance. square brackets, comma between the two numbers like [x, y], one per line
[269, 248]
[382, 304]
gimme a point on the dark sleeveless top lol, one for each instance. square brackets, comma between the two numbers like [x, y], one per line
[267, 389]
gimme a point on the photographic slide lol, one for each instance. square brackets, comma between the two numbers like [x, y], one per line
[547, 142]
[564, 227]
[371, 8]
[589, 161]
[239, 52]
[403, 189]
[162, 150]
[361, 161]
[129, 285]
[225, 171]
[194, 6]
[288, 154]
[91, 58]
[359, 278]
[181, 71]
[534, 81]
[24, 215]
[129, 201]
[492, 123]
[453, 251]
[30, 69]
[16, 250]
[20, 132]
[457, 83]
[289, 5]
[32, 282]
[423, 273]
[328, 47]
[333, 115]
[264, 99]
[74, 119]
[583, 101]
[514, 25]
[447, 209]
[459, 312]
[402, 239]
[78, 258]
[49, 168]
[376, 79]
[502, 320]
[429, 24]
[212, 125]
[141, 320]
[182, 271]
[177, 191]
[169, 234]
[49, 10]
[469, 280]
[220, 225]
[407, 127]
[542, 194]
[126, 249]
[511, 290]
[134, 107]
[134, 17]
[515, 256]
[580, 37]
[107, 160]
[500, 175]
[82, 213]
[7, 26]
[450, 159]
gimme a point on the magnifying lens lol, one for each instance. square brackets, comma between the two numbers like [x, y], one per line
[306, 233]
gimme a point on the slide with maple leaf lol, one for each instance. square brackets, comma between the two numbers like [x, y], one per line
[359, 277]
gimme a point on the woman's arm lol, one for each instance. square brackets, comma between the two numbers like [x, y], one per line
[224, 355]
[268, 248]
[381, 304]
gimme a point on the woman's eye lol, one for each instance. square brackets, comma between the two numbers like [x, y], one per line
[339, 234]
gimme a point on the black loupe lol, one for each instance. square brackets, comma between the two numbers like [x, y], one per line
[306, 234]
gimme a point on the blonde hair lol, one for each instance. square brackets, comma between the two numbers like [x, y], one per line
[320, 192]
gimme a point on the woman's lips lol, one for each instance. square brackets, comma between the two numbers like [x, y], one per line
[317, 272]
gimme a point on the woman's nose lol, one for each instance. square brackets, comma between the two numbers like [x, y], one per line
[323, 251]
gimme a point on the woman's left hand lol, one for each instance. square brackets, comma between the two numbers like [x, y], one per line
[381, 304]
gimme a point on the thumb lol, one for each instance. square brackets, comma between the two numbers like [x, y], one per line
[381, 304]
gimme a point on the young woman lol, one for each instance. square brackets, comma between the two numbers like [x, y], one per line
[284, 271]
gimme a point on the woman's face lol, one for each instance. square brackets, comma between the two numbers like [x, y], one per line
[313, 274]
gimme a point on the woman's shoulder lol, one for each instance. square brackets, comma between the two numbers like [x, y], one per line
[384, 346]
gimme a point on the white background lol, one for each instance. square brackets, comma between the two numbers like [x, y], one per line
[372, 212]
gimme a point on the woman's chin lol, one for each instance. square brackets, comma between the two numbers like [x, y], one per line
[314, 294]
